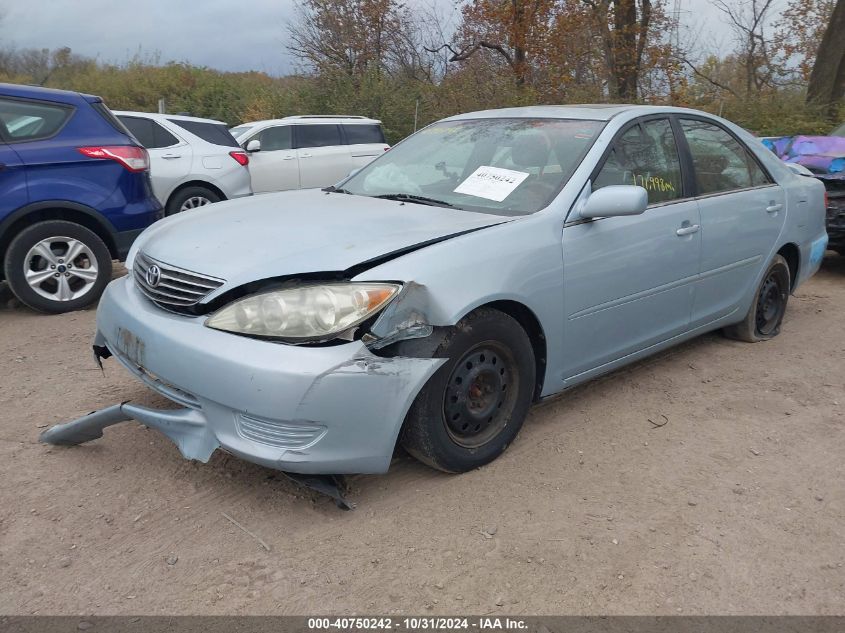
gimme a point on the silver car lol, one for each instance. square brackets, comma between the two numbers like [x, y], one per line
[193, 161]
[487, 262]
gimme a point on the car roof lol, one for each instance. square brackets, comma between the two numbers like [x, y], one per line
[317, 118]
[164, 117]
[587, 111]
[39, 92]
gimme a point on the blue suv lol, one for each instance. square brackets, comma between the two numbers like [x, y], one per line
[74, 193]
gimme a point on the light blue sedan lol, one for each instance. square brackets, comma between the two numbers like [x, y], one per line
[487, 262]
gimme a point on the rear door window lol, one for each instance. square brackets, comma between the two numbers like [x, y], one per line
[32, 120]
[275, 138]
[215, 133]
[645, 155]
[361, 134]
[149, 133]
[324, 135]
[721, 162]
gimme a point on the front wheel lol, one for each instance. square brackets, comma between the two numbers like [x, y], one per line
[56, 266]
[474, 406]
[766, 313]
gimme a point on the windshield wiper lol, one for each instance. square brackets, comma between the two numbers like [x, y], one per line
[333, 189]
[409, 197]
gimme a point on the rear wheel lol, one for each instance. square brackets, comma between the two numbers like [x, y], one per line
[191, 198]
[474, 406]
[57, 266]
[766, 313]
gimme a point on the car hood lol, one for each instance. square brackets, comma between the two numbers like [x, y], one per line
[297, 232]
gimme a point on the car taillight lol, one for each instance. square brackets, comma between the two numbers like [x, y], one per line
[132, 158]
[241, 157]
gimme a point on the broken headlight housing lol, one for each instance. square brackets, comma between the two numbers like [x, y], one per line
[317, 312]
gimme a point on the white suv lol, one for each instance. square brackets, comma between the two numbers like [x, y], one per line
[193, 162]
[301, 152]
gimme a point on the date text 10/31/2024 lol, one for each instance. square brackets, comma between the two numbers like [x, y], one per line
[418, 623]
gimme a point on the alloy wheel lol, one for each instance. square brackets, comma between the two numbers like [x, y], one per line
[60, 268]
[194, 202]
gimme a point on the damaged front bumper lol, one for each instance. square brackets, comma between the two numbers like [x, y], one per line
[312, 410]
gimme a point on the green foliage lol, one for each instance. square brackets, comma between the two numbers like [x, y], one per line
[391, 97]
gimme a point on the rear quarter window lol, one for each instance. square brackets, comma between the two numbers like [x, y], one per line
[215, 133]
[149, 133]
[361, 134]
[32, 120]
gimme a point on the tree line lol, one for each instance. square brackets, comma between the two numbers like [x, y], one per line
[782, 71]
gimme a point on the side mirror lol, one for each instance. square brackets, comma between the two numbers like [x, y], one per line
[615, 200]
[253, 146]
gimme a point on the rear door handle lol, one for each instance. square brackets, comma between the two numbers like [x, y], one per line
[774, 208]
[290, 157]
[688, 230]
[305, 155]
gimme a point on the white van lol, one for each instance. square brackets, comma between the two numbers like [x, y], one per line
[302, 152]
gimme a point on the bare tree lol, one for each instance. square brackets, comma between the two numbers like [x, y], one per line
[748, 20]
[623, 28]
[510, 29]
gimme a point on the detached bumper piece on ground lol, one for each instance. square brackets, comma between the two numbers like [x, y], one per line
[186, 428]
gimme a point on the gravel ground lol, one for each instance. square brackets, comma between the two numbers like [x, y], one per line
[734, 505]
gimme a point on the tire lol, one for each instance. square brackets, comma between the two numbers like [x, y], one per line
[490, 357]
[190, 198]
[42, 248]
[768, 308]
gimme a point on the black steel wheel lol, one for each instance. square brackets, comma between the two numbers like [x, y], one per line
[479, 394]
[475, 404]
[765, 316]
[771, 304]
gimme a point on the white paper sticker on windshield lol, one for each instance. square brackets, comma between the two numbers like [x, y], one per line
[492, 183]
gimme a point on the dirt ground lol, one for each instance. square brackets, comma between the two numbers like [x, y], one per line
[735, 505]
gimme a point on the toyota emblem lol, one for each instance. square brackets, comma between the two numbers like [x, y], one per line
[153, 275]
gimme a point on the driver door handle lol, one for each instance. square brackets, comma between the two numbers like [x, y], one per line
[774, 208]
[688, 230]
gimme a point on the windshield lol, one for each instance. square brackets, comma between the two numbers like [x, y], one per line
[501, 166]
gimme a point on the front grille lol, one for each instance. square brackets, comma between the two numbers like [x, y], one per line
[288, 435]
[176, 287]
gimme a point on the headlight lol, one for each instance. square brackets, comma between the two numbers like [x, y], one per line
[304, 313]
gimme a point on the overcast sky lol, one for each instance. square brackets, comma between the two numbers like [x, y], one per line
[222, 34]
